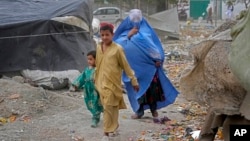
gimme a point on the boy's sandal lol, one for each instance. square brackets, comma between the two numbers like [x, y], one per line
[114, 134]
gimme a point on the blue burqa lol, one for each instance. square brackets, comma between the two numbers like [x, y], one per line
[142, 50]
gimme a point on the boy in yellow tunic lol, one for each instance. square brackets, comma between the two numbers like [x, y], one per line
[110, 63]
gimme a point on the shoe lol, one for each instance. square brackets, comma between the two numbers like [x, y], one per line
[105, 138]
[155, 114]
[135, 116]
[94, 124]
[114, 134]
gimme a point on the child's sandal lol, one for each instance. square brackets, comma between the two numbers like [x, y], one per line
[94, 124]
[114, 134]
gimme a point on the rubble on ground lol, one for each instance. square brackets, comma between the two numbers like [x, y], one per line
[212, 82]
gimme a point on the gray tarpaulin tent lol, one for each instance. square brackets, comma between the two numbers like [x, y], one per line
[166, 23]
[48, 35]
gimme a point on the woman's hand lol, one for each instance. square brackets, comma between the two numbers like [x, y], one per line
[133, 31]
[157, 63]
[136, 88]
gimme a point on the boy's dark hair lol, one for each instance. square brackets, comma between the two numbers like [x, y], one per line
[92, 53]
[107, 26]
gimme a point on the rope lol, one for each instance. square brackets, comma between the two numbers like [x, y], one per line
[38, 35]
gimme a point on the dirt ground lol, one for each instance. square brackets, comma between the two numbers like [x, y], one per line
[30, 113]
[38, 114]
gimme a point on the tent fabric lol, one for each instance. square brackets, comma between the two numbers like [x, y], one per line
[239, 52]
[165, 23]
[239, 59]
[142, 50]
[32, 36]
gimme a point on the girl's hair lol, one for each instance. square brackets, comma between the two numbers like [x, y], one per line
[92, 53]
[107, 26]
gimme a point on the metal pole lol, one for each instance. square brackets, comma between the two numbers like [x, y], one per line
[216, 14]
[147, 7]
[138, 4]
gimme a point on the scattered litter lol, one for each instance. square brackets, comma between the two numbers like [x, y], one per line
[3, 120]
[14, 96]
[12, 118]
[25, 118]
[195, 134]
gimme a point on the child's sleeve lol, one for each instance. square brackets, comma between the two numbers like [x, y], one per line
[80, 81]
[126, 67]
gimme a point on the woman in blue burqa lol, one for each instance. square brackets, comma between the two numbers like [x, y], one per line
[145, 55]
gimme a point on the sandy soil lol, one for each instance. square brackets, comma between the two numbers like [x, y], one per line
[62, 115]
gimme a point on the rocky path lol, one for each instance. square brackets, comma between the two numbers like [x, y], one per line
[34, 114]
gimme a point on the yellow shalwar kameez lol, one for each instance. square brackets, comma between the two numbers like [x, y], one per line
[109, 67]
